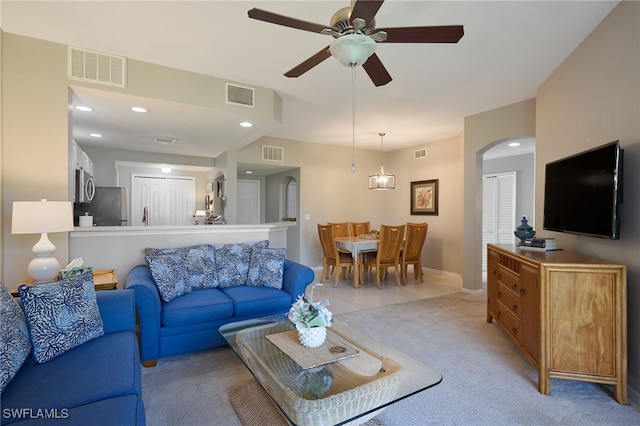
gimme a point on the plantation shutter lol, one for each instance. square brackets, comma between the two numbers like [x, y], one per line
[498, 211]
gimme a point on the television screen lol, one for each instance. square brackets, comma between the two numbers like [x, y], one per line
[582, 192]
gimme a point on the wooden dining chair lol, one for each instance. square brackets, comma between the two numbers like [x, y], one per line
[360, 228]
[388, 254]
[411, 253]
[332, 257]
[340, 229]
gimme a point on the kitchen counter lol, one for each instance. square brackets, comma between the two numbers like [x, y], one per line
[122, 247]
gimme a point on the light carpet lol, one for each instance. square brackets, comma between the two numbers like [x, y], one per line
[486, 380]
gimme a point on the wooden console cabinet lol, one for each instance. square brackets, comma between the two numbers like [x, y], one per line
[566, 312]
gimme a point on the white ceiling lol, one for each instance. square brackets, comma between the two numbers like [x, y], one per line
[508, 50]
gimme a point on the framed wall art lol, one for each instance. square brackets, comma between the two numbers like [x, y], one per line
[424, 197]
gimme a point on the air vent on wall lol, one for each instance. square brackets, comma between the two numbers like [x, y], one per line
[239, 95]
[419, 154]
[272, 153]
[96, 67]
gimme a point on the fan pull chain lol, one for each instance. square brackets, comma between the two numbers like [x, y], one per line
[353, 122]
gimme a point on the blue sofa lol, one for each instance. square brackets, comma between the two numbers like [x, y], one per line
[96, 383]
[190, 322]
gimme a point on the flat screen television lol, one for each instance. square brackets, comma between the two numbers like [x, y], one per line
[582, 193]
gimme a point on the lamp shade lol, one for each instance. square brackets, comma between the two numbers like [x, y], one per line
[36, 217]
[352, 49]
[382, 180]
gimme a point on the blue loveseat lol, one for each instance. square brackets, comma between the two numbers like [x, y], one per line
[96, 383]
[190, 320]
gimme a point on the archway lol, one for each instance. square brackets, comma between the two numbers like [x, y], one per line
[508, 173]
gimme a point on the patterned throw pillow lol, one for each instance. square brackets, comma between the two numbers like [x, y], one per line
[233, 260]
[266, 267]
[170, 275]
[199, 261]
[61, 315]
[14, 337]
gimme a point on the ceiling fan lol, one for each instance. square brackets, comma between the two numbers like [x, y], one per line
[355, 36]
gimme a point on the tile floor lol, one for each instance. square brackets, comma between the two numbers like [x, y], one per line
[345, 298]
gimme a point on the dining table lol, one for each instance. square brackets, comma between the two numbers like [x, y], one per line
[357, 246]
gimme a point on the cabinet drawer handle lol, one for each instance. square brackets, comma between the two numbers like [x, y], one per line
[515, 308]
[514, 330]
[514, 286]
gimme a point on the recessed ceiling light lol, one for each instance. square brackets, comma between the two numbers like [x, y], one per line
[95, 135]
[246, 124]
[166, 169]
[138, 109]
[83, 108]
[249, 172]
[514, 144]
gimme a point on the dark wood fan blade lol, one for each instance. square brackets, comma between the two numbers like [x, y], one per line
[309, 63]
[274, 18]
[365, 9]
[443, 34]
[377, 72]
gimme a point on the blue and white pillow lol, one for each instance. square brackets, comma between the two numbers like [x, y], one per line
[61, 315]
[14, 337]
[266, 267]
[233, 260]
[200, 262]
[170, 275]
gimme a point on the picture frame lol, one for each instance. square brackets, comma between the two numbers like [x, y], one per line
[424, 197]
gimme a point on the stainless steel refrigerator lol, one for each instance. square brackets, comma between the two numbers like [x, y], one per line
[108, 207]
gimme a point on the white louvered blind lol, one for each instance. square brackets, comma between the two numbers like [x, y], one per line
[498, 210]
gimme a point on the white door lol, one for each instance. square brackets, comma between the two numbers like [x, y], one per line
[498, 211]
[162, 201]
[248, 202]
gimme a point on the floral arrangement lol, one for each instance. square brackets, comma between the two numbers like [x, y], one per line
[305, 313]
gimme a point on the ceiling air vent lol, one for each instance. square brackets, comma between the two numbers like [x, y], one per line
[96, 67]
[167, 140]
[272, 153]
[420, 154]
[239, 95]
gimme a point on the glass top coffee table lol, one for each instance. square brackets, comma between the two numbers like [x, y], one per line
[352, 389]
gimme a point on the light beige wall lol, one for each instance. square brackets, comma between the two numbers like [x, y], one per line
[481, 132]
[591, 99]
[443, 162]
[35, 141]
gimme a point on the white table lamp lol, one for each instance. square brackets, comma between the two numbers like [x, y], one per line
[32, 217]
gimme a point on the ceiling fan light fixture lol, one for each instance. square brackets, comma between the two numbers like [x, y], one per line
[352, 49]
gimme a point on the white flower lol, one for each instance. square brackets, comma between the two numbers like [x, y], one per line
[305, 313]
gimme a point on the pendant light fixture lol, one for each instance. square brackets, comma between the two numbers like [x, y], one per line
[382, 180]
